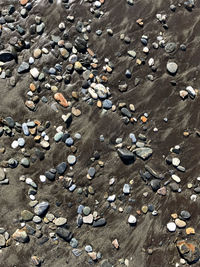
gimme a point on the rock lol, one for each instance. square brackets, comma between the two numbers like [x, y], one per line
[99, 223]
[126, 112]
[30, 105]
[37, 53]
[73, 243]
[34, 72]
[91, 172]
[131, 53]
[26, 215]
[41, 208]
[170, 47]
[188, 250]
[190, 231]
[50, 175]
[21, 142]
[176, 178]
[60, 221]
[185, 215]
[132, 219]
[61, 168]
[126, 189]
[88, 219]
[107, 104]
[64, 233]
[2, 174]
[180, 223]
[105, 263]
[25, 162]
[125, 154]
[6, 56]
[24, 67]
[155, 184]
[86, 210]
[20, 235]
[176, 161]
[171, 226]
[80, 44]
[44, 144]
[143, 152]
[2, 241]
[191, 91]
[61, 100]
[71, 159]
[172, 68]
[58, 136]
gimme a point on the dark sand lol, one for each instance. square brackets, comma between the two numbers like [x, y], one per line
[158, 98]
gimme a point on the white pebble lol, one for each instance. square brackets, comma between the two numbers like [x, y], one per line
[32, 197]
[43, 178]
[171, 226]
[14, 144]
[132, 219]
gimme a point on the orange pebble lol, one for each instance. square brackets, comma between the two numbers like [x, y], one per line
[23, 2]
[32, 87]
[143, 119]
[61, 99]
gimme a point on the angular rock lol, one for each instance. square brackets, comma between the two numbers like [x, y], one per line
[41, 208]
[188, 250]
[143, 152]
[64, 233]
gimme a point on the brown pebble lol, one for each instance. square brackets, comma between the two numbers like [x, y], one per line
[115, 243]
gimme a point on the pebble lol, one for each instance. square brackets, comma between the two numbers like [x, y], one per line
[71, 159]
[2, 174]
[172, 67]
[14, 144]
[143, 152]
[2, 241]
[126, 189]
[185, 215]
[25, 162]
[176, 161]
[88, 219]
[25, 129]
[86, 210]
[176, 178]
[132, 219]
[21, 142]
[171, 226]
[21, 236]
[41, 208]
[60, 221]
[180, 223]
[91, 172]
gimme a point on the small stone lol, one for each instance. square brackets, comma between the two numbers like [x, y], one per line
[64, 233]
[126, 189]
[21, 236]
[171, 226]
[61, 168]
[176, 161]
[21, 142]
[2, 241]
[2, 174]
[132, 219]
[71, 159]
[107, 104]
[91, 172]
[125, 154]
[58, 136]
[143, 152]
[26, 215]
[99, 223]
[24, 67]
[25, 162]
[170, 47]
[88, 219]
[37, 53]
[185, 215]
[190, 231]
[180, 223]
[61, 100]
[60, 221]
[34, 72]
[44, 144]
[30, 104]
[144, 209]
[176, 178]
[172, 67]
[41, 208]
[86, 210]
[115, 243]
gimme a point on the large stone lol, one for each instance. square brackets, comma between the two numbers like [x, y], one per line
[172, 67]
[188, 250]
[125, 154]
[143, 152]
[20, 235]
[6, 56]
[64, 233]
[41, 208]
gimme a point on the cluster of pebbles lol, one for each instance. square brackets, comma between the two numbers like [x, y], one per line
[66, 76]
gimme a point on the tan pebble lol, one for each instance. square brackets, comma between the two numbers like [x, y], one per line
[93, 255]
[109, 69]
[99, 104]
[76, 112]
[23, 2]
[75, 95]
[186, 134]
[121, 209]
[138, 61]
[78, 66]
[180, 223]
[37, 53]
[174, 216]
[115, 243]
[190, 231]
[101, 163]
[54, 89]
[138, 212]
[183, 94]
[90, 52]
[32, 87]
[140, 22]
[113, 108]
[33, 130]
[30, 104]
[132, 107]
